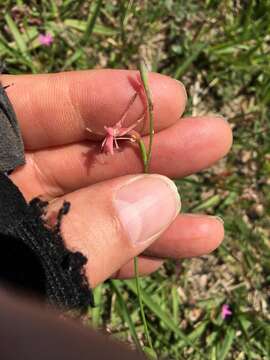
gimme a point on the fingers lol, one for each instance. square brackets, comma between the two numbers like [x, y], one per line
[146, 266]
[186, 147]
[55, 109]
[189, 235]
[113, 221]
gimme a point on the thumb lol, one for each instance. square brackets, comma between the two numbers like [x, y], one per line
[113, 221]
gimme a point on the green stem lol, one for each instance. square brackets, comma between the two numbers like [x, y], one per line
[146, 157]
[143, 155]
[150, 107]
[141, 303]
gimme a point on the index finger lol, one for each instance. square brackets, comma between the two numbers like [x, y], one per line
[55, 109]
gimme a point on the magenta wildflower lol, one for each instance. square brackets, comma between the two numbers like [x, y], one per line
[118, 132]
[45, 39]
[225, 311]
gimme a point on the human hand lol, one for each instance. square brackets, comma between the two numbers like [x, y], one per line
[62, 163]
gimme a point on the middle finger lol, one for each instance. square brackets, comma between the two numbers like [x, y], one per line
[189, 146]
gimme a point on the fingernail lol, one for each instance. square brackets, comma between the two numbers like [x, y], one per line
[146, 206]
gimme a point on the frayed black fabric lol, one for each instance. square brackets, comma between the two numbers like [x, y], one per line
[33, 256]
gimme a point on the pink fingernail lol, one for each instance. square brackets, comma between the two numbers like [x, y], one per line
[146, 206]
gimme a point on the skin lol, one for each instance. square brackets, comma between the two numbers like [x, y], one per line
[64, 162]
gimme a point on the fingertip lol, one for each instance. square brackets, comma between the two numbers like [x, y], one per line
[204, 140]
[211, 233]
[220, 132]
[169, 97]
[188, 236]
[225, 132]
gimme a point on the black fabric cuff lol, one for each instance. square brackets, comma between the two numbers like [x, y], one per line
[33, 256]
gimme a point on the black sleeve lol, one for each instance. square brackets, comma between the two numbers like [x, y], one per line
[33, 256]
[11, 144]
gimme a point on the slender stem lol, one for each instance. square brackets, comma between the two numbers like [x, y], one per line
[143, 155]
[150, 107]
[141, 303]
[146, 157]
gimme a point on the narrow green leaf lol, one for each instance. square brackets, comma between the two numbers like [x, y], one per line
[125, 313]
[125, 12]
[208, 203]
[175, 304]
[54, 8]
[16, 34]
[72, 59]
[163, 316]
[188, 62]
[5, 48]
[96, 311]
[214, 353]
[198, 331]
[138, 288]
[99, 29]
[149, 353]
[155, 308]
[227, 344]
[92, 18]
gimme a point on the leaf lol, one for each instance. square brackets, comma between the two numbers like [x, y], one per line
[175, 304]
[227, 344]
[198, 331]
[99, 29]
[149, 352]
[155, 308]
[69, 61]
[208, 203]
[125, 313]
[16, 34]
[161, 314]
[190, 59]
[92, 18]
[96, 311]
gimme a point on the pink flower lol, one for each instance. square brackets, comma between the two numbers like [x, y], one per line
[45, 39]
[225, 311]
[118, 132]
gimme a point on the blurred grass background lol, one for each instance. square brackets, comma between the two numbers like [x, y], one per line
[220, 50]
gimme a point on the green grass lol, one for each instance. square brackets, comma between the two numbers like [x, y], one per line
[221, 52]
